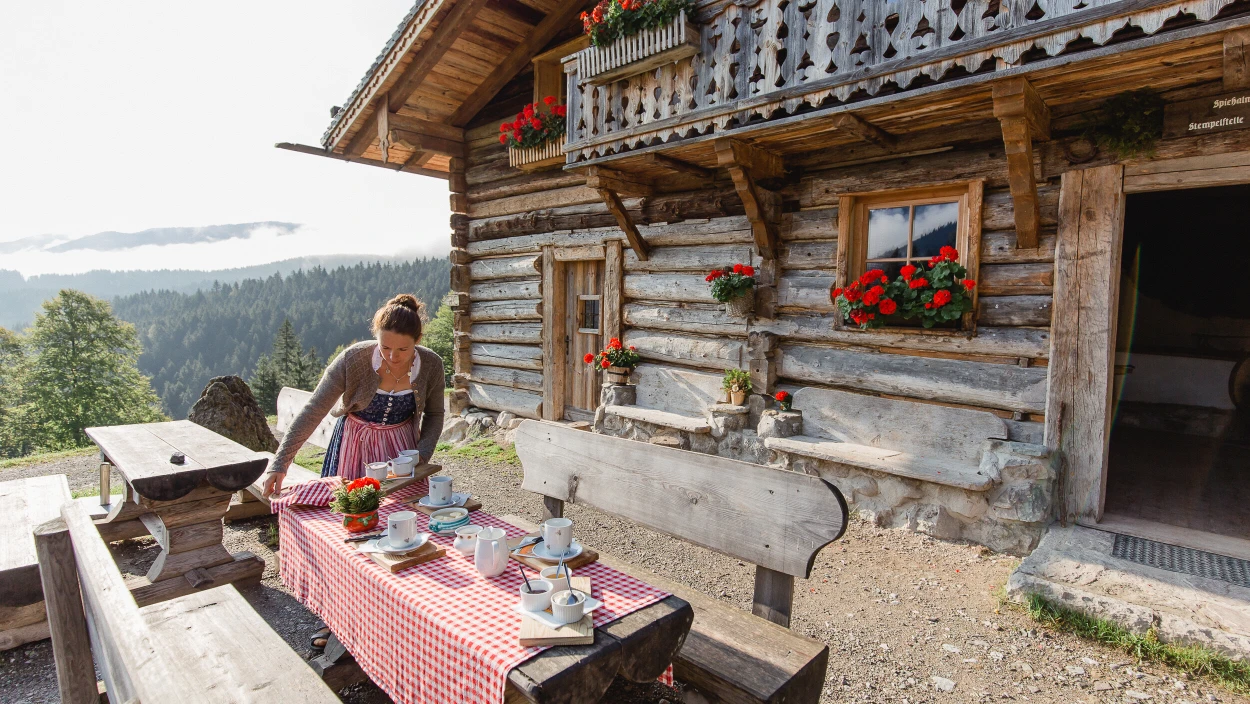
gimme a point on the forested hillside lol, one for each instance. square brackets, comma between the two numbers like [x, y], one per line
[189, 338]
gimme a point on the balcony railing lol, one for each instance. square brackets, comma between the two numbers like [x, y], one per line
[769, 58]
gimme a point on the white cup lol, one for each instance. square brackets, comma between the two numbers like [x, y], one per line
[558, 536]
[377, 470]
[401, 528]
[560, 583]
[401, 466]
[440, 490]
[536, 596]
[414, 454]
[568, 606]
[466, 539]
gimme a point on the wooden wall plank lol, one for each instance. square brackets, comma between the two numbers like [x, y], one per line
[482, 311]
[704, 352]
[514, 356]
[499, 398]
[504, 267]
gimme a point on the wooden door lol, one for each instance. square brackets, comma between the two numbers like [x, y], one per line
[583, 330]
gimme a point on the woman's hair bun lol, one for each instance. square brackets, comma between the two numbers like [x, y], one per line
[401, 314]
[406, 300]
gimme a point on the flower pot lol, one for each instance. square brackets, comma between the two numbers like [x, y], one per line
[360, 522]
[737, 398]
[618, 375]
[543, 156]
[742, 306]
[648, 49]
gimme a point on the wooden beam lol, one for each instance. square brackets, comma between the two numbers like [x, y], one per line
[425, 127]
[865, 130]
[631, 184]
[427, 143]
[1023, 116]
[516, 60]
[667, 162]
[554, 344]
[617, 208]
[1237, 60]
[384, 132]
[747, 165]
[318, 151]
[365, 135]
[431, 52]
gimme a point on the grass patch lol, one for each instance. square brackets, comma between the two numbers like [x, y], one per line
[271, 420]
[480, 449]
[310, 457]
[40, 457]
[94, 490]
[1199, 662]
[271, 536]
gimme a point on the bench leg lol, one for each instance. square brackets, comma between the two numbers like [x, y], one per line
[71, 646]
[106, 481]
[336, 667]
[552, 508]
[774, 596]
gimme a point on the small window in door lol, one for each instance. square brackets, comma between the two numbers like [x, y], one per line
[588, 314]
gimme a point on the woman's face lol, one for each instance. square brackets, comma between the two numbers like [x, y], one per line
[397, 349]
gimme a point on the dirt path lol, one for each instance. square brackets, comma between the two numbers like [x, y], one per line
[907, 618]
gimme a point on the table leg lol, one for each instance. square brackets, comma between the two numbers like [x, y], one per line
[106, 480]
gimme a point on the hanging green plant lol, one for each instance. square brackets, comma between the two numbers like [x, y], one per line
[1129, 124]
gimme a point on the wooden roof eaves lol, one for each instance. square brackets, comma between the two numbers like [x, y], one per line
[318, 151]
[396, 48]
[780, 125]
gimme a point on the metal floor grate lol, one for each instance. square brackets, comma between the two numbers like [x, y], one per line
[1183, 560]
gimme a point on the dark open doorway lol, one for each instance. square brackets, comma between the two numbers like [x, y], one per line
[1180, 440]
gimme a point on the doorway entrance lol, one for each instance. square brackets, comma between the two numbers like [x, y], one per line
[1179, 450]
[583, 334]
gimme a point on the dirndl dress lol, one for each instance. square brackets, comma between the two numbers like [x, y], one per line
[376, 434]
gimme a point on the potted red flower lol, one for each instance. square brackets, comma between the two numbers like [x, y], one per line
[536, 137]
[735, 287]
[783, 399]
[942, 294]
[358, 502]
[616, 359]
[631, 36]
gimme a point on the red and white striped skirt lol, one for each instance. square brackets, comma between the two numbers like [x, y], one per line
[364, 442]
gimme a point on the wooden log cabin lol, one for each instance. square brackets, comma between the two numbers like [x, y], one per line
[795, 136]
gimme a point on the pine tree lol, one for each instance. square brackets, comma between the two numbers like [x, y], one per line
[83, 373]
[288, 354]
[438, 337]
[266, 384]
[15, 439]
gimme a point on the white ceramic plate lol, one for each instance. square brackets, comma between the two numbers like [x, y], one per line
[384, 544]
[541, 552]
[545, 617]
[456, 501]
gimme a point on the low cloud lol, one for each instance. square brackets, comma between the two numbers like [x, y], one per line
[157, 236]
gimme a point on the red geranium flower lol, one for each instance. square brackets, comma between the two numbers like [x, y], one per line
[852, 294]
[872, 295]
[748, 271]
[528, 112]
[737, 268]
[560, 110]
[782, 395]
[614, 344]
[969, 284]
[872, 275]
[605, 363]
[907, 272]
[918, 283]
[589, 358]
[633, 349]
[941, 298]
[549, 100]
[503, 139]
[950, 254]
[887, 306]
[835, 293]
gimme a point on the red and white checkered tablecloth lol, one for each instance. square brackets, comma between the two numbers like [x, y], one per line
[437, 632]
[314, 492]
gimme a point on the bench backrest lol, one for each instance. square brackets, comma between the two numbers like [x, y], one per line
[773, 518]
[923, 429]
[677, 390]
[290, 403]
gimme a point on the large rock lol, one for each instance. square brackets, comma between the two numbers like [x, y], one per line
[227, 407]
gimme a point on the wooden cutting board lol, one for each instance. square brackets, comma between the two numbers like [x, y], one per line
[588, 556]
[395, 563]
[472, 505]
[581, 633]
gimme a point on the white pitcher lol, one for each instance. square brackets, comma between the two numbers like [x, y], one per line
[491, 556]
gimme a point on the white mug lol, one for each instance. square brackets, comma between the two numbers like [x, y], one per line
[558, 535]
[560, 583]
[401, 528]
[377, 470]
[414, 454]
[536, 596]
[401, 466]
[440, 490]
[466, 539]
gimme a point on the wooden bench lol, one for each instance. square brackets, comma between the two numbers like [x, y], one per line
[908, 439]
[674, 398]
[24, 504]
[775, 519]
[209, 646]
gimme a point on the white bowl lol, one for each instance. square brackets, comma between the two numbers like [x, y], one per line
[568, 613]
[562, 582]
[539, 599]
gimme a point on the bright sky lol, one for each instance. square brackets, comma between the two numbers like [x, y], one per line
[135, 114]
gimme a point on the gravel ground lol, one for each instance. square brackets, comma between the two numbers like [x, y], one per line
[907, 618]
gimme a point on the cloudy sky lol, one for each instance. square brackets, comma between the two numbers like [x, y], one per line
[127, 116]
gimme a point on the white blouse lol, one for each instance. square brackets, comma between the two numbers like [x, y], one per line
[412, 373]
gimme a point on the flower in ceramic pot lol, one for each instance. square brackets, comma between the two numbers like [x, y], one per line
[737, 383]
[358, 502]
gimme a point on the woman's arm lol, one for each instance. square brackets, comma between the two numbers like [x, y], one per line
[329, 390]
[432, 415]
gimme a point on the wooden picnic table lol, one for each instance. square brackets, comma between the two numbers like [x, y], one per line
[179, 479]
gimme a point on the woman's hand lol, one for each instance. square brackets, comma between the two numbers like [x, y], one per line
[273, 484]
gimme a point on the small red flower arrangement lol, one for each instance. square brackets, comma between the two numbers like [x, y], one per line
[358, 501]
[783, 399]
[940, 295]
[731, 283]
[613, 19]
[534, 126]
[614, 354]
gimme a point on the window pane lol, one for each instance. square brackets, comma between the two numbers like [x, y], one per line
[887, 233]
[934, 228]
[590, 313]
[891, 269]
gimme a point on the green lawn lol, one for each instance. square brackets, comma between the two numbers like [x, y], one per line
[47, 457]
[480, 449]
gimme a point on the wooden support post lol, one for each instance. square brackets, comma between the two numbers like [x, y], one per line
[761, 349]
[384, 130]
[555, 344]
[1237, 60]
[774, 596]
[617, 208]
[1024, 117]
[613, 289]
[747, 166]
[366, 134]
[552, 508]
[865, 130]
[106, 481]
[71, 645]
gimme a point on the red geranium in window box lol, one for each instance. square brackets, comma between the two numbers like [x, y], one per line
[941, 294]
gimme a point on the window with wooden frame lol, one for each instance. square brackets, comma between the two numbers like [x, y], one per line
[890, 229]
[589, 319]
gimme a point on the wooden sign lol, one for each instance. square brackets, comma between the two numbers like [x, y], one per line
[1230, 111]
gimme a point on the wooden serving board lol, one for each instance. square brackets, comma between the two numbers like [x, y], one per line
[581, 633]
[395, 563]
[471, 505]
[588, 556]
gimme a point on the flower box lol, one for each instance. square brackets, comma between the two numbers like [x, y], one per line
[640, 52]
[536, 158]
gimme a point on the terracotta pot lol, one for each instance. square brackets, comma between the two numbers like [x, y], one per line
[742, 306]
[360, 522]
[618, 375]
[737, 398]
